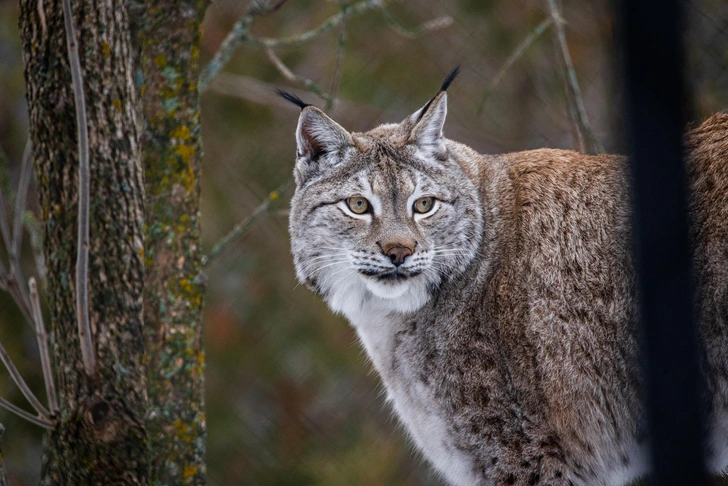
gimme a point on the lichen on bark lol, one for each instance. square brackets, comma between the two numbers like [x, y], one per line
[168, 36]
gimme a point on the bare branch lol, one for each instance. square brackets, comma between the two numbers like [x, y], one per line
[16, 272]
[35, 231]
[3, 271]
[4, 228]
[334, 87]
[241, 228]
[239, 34]
[43, 422]
[248, 88]
[434, 24]
[515, 56]
[325, 26]
[26, 169]
[45, 356]
[281, 67]
[291, 76]
[12, 286]
[84, 328]
[259, 92]
[587, 141]
[236, 37]
[18, 379]
[9, 278]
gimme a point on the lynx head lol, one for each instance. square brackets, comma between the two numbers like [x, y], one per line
[380, 219]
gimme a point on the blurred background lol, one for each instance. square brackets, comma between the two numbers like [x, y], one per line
[291, 398]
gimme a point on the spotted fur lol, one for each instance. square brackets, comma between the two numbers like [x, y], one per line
[506, 340]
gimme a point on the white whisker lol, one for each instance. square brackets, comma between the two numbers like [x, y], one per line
[345, 276]
[318, 269]
[325, 257]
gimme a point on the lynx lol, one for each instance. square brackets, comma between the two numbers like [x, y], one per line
[495, 294]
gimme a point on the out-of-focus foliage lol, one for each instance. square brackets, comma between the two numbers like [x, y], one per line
[291, 398]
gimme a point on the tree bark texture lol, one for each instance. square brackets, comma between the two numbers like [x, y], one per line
[99, 436]
[168, 37]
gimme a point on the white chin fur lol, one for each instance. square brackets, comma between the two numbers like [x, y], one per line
[387, 290]
[360, 295]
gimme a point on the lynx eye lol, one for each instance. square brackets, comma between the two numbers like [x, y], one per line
[358, 205]
[423, 205]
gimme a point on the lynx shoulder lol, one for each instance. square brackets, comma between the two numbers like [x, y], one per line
[495, 294]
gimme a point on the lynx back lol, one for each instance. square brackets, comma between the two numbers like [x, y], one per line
[494, 295]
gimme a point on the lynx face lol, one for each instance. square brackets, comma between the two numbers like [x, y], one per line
[383, 217]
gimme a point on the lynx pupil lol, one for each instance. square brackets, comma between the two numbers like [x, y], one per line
[358, 204]
[423, 205]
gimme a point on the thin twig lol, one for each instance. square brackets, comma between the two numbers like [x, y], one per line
[232, 41]
[515, 56]
[45, 355]
[4, 227]
[236, 37]
[291, 76]
[35, 231]
[430, 25]
[43, 422]
[25, 173]
[18, 379]
[11, 286]
[84, 328]
[20, 198]
[259, 92]
[241, 228]
[586, 139]
[327, 25]
[239, 34]
[9, 278]
[334, 87]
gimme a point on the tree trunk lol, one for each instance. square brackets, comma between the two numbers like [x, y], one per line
[168, 34]
[100, 435]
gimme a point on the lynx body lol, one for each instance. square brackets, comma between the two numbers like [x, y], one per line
[495, 295]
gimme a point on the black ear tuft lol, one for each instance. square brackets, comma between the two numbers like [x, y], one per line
[292, 98]
[445, 84]
[450, 78]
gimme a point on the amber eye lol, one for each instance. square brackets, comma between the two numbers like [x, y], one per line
[358, 205]
[423, 205]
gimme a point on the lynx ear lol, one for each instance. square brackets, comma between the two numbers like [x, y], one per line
[317, 136]
[427, 127]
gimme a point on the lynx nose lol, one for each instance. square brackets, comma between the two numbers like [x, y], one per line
[398, 254]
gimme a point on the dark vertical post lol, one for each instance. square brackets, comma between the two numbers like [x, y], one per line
[656, 101]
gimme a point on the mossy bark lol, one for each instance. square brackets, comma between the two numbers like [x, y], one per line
[100, 434]
[168, 36]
